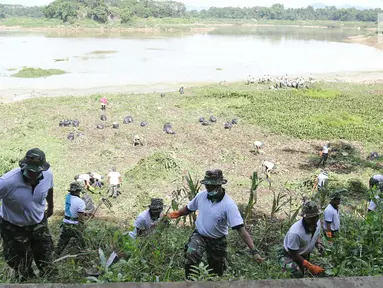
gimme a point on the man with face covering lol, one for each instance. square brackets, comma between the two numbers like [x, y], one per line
[217, 211]
[331, 223]
[147, 220]
[300, 241]
[24, 192]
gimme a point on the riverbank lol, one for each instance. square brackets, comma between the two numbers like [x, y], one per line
[366, 40]
[166, 24]
[12, 95]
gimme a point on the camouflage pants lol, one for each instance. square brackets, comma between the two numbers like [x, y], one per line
[114, 190]
[289, 265]
[23, 244]
[69, 231]
[215, 249]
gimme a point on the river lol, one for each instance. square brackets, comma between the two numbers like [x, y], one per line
[97, 60]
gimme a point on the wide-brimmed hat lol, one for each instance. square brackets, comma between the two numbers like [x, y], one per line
[214, 177]
[156, 204]
[337, 194]
[75, 187]
[34, 161]
[310, 209]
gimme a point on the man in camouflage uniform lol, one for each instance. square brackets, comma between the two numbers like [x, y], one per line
[300, 241]
[24, 193]
[73, 223]
[217, 211]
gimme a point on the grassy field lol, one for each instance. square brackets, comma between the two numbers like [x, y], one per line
[293, 124]
[174, 23]
[37, 73]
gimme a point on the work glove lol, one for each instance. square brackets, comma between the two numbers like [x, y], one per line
[329, 234]
[312, 268]
[174, 214]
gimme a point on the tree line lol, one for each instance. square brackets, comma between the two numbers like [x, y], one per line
[126, 10]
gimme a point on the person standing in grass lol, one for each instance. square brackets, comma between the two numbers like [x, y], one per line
[331, 223]
[216, 212]
[104, 102]
[300, 241]
[73, 223]
[24, 193]
[147, 220]
[324, 154]
[114, 181]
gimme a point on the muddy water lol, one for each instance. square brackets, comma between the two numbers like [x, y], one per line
[110, 60]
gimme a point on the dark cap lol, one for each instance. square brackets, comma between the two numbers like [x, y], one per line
[34, 161]
[214, 177]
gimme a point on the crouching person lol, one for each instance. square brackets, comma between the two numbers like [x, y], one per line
[301, 240]
[147, 220]
[73, 223]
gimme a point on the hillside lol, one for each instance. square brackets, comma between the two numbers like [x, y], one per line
[293, 124]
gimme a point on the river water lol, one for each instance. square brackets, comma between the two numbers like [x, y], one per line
[119, 59]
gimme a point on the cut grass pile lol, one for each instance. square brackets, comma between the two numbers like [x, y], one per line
[37, 73]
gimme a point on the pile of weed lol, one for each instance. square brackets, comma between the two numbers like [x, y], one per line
[37, 73]
[157, 165]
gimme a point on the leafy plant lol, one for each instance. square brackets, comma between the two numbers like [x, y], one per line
[255, 182]
[279, 202]
[201, 273]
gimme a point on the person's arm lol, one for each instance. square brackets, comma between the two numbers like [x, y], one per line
[249, 242]
[119, 178]
[179, 213]
[293, 248]
[50, 202]
[81, 217]
[328, 218]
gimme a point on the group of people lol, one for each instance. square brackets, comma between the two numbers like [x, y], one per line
[27, 202]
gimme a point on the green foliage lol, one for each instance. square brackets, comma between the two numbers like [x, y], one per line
[255, 182]
[9, 10]
[65, 10]
[37, 73]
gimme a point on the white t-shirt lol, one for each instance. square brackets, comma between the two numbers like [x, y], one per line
[97, 176]
[325, 150]
[378, 178]
[214, 218]
[143, 222]
[114, 178]
[298, 239]
[372, 206]
[331, 215]
[258, 144]
[322, 179]
[85, 177]
[73, 206]
[268, 165]
[20, 206]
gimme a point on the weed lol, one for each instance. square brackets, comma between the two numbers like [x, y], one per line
[37, 73]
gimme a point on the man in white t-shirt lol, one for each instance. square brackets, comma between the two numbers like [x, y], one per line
[269, 166]
[376, 187]
[216, 212]
[321, 181]
[300, 241]
[331, 223]
[25, 193]
[148, 219]
[324, 154]
[73, 223]
[114, 181]
[258, 145]
[85, 180]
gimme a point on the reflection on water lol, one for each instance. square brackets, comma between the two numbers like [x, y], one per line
[95, 59]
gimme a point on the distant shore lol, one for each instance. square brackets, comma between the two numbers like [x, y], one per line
[167, 24]
[12, 95]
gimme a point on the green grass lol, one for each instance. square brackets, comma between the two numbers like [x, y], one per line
[293, 124]
[103, 52]
[37, 73]
[174, 23]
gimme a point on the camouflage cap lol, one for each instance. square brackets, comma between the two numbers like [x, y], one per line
[214, 177]
[337, 194]
[75, 187]
[156, 204]
[34, 161]
[310, 209]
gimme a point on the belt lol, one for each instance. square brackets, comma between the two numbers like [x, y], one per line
[70, 218]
